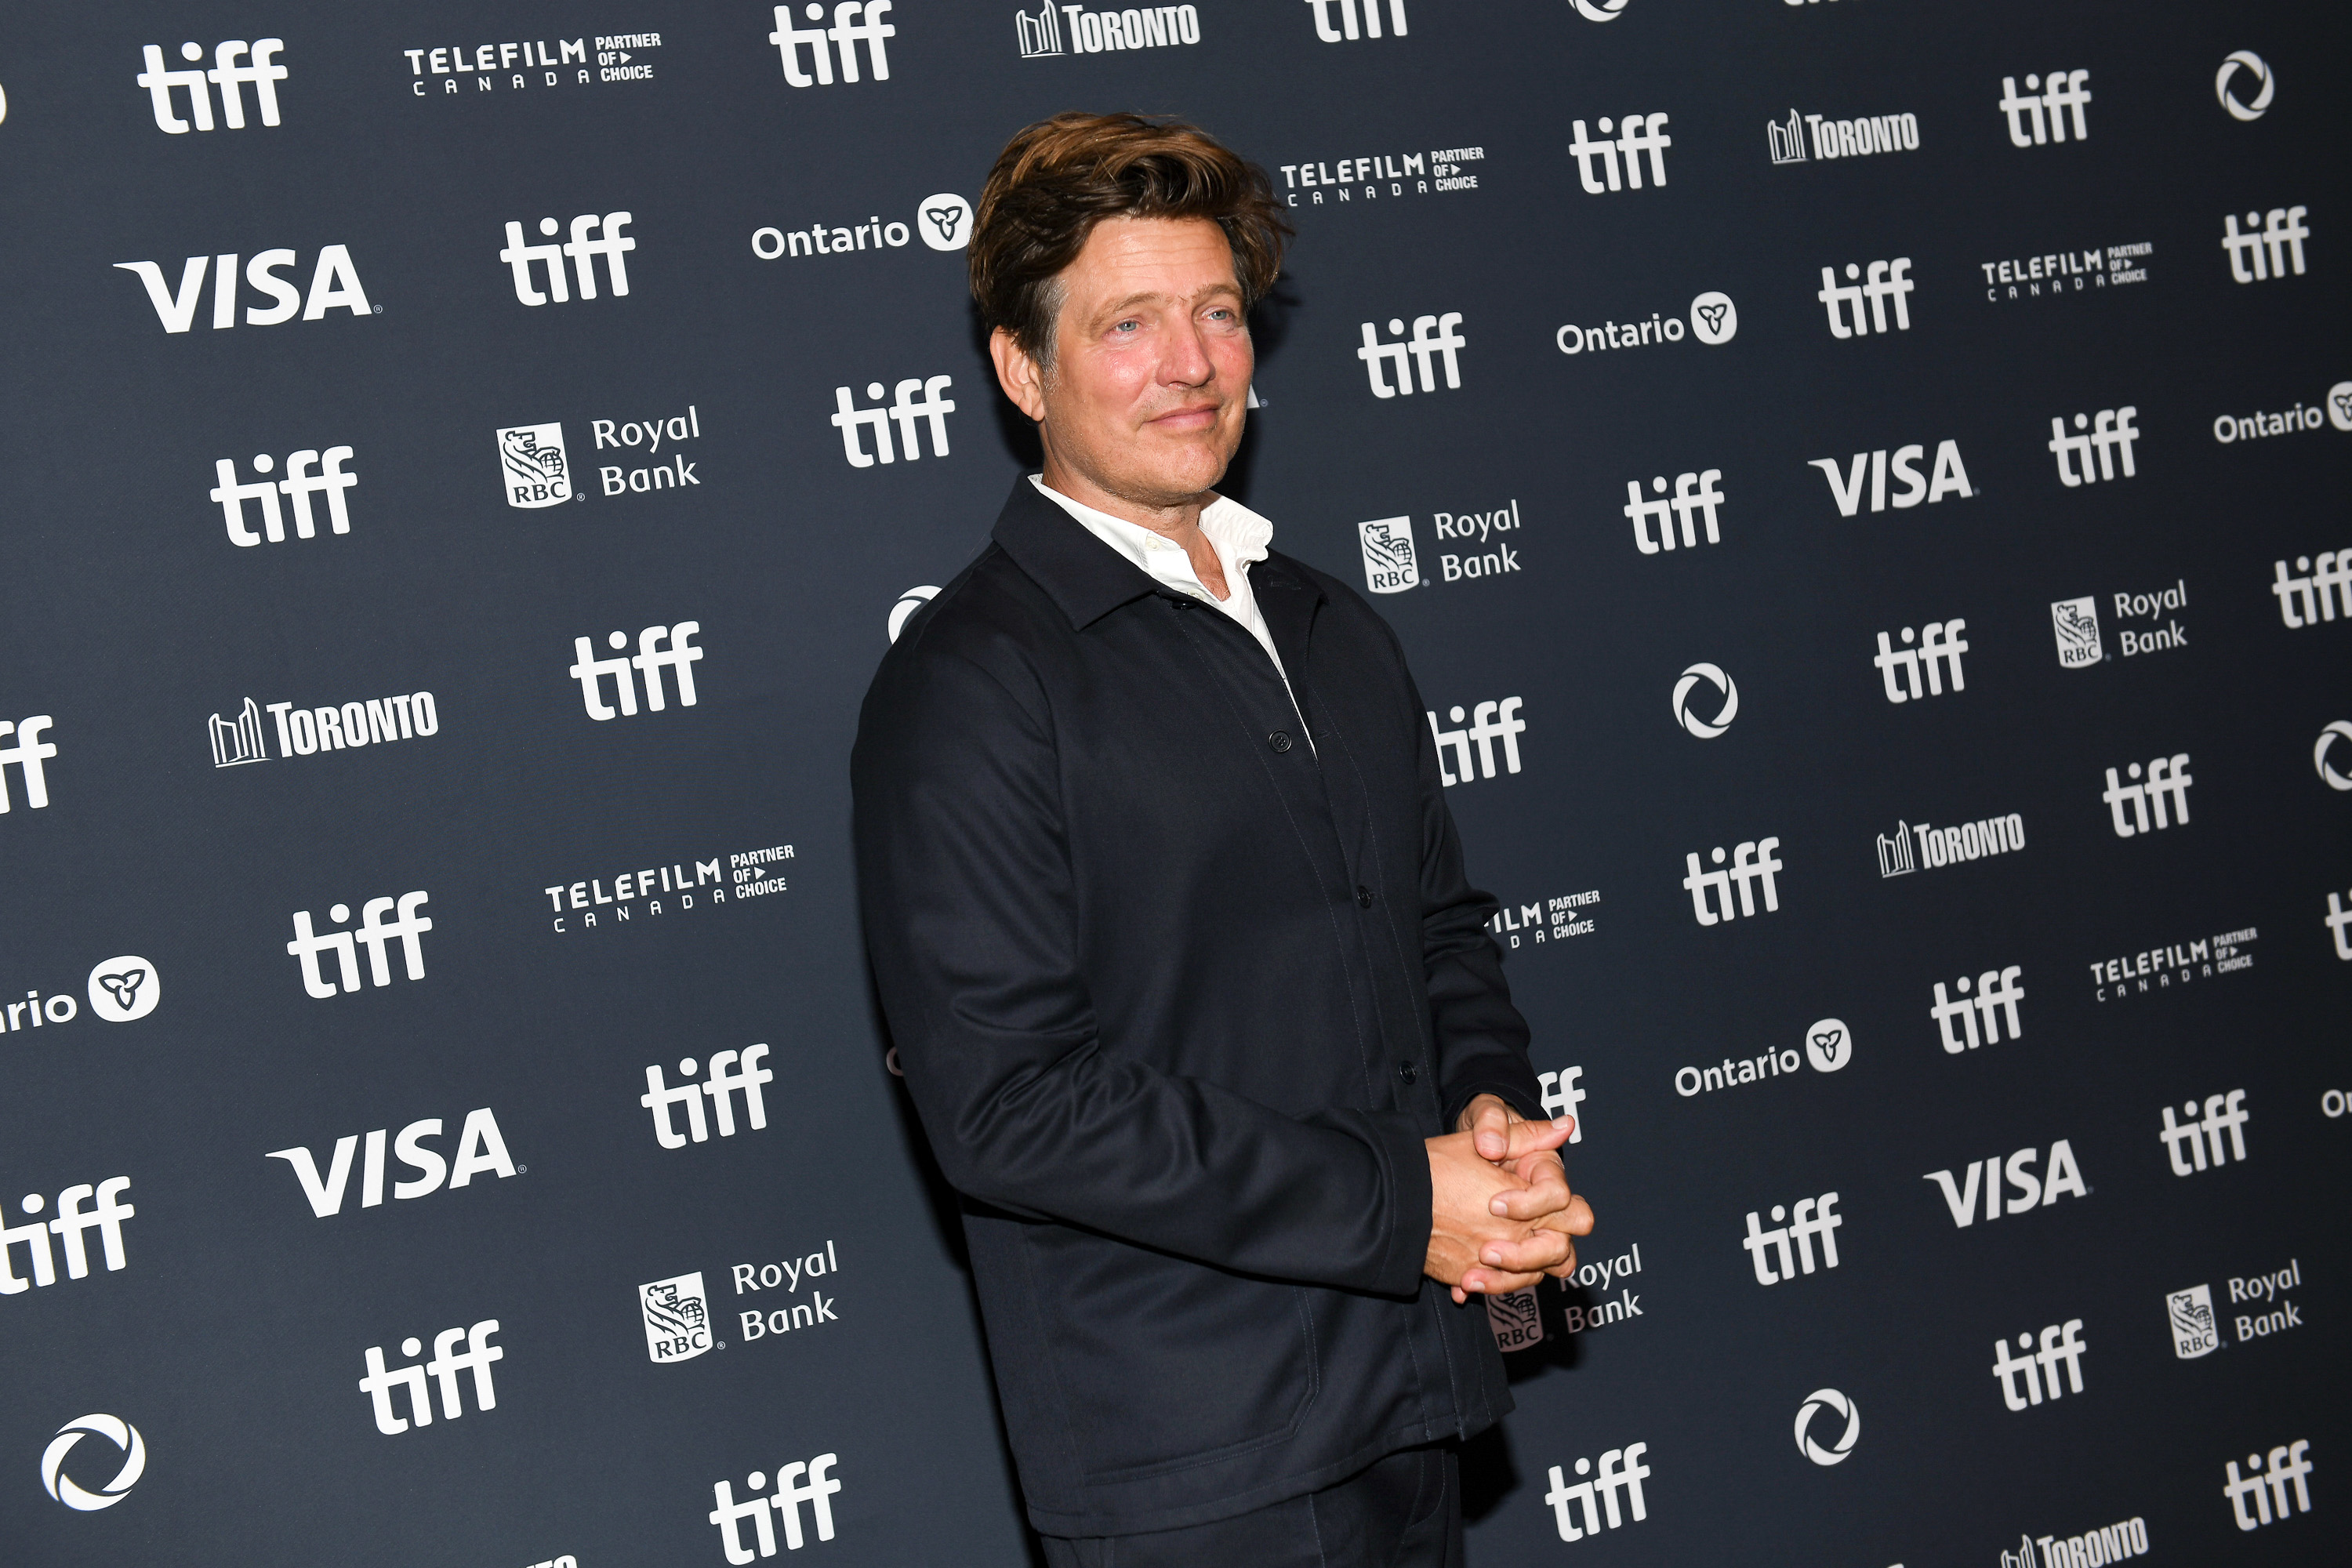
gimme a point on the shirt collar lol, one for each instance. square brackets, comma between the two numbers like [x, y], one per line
[1240, 536]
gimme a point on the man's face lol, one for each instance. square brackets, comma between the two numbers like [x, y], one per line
[1151, 362]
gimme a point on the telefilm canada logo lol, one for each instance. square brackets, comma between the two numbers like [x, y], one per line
[1365, 177]
[1555, 918]
[682, 887]
[2173, 963]
[2061, 274]
[529, 64]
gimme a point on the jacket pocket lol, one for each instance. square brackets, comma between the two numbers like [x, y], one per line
[1164, 1364]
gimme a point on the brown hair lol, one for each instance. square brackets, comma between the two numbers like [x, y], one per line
[1057, 179]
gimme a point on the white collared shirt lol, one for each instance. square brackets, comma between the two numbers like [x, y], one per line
[1238, 536]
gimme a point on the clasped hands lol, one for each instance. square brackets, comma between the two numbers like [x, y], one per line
[1501, 1214]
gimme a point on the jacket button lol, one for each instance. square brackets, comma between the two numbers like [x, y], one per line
[1279, 740]
[1363, 896]
[1406, 1073]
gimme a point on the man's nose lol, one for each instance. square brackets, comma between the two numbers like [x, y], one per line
[1187, 362]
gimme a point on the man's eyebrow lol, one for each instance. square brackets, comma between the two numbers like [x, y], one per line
[1152, 295]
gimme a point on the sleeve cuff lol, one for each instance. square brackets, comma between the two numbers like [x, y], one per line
[1410, 1208]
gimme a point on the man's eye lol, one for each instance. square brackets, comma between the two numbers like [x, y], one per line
[1128, 327]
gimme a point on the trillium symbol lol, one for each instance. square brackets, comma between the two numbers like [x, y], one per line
[1713, 316]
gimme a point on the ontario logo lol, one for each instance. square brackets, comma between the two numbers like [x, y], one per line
[677, 1318]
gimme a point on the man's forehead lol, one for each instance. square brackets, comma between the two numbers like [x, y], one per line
[1128, 261]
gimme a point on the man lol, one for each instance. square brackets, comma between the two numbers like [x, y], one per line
[1170, 928]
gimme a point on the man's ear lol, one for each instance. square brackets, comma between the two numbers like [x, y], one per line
[1021, 377]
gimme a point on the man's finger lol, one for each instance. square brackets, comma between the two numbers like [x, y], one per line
[1527, 1137]
[1547, 1195]
[1532, 1254]
[1490, 1126]
[1493, 1282]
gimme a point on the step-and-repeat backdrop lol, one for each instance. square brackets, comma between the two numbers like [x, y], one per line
[1861, 485]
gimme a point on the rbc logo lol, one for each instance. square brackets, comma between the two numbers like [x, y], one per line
[1388, 564]
[677, 1318]
[537, 473]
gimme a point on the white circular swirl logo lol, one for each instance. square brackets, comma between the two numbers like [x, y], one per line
[910, 601]
[1705, 729]
[115, 1430]
[2264, 85]
[2339, 730]
[1832, 1400]
[1606, 11]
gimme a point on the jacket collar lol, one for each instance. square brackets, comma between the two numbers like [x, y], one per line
[1084, 577]
[1088, 580]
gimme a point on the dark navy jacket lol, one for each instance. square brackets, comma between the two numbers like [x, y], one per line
[1177, 997]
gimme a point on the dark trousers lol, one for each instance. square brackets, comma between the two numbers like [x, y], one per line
[1405, 1511]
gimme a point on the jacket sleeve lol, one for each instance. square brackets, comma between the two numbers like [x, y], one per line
[1482, 1040]
[973, 917]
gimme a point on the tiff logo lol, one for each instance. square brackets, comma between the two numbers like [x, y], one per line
[1886, 280]
[1619, 1467]
[2338, 921]
[1750, 861]
[1995, 990]
[748, 1075]
[407, 925]
[679, 656]
[2287, 1465]
[446, 1363]
[2031, 1191]
[300, 485]
[2306, 601]
[1489, 723]
[852, 23]
[612, 245]
[333, 282]
[1346, 28]
[2112, 429]
[1561, 1096]
[69, 1226]
[2166, 775]
[2060, 1343]
[1434, 337]
[2066, 95]
[1642, 133]
[849, 419]
[1940, 645]
[2224, 1113]
[28, 753]
[261, 69]
[1812, 1217]
[2254, 257]
[1693, 492]
[1949, 478]
[796, 1483]
[480, 1147]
